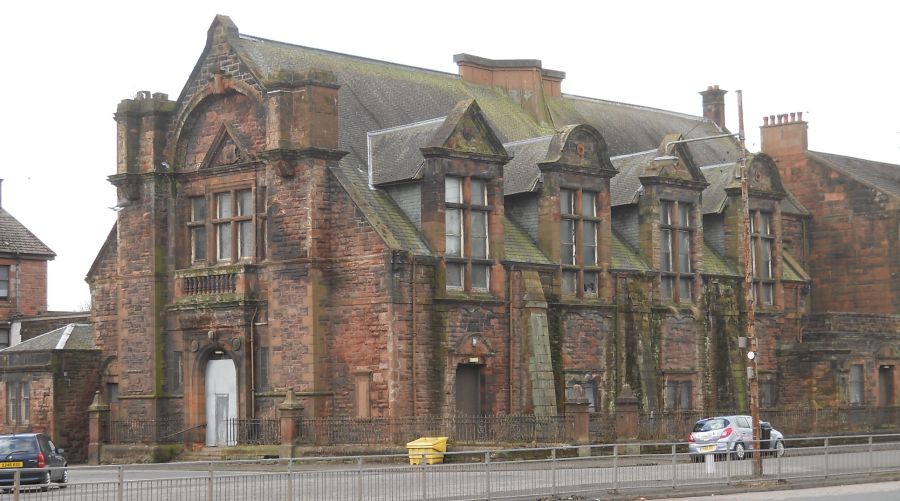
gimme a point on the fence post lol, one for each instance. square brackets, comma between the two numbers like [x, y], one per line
[17, 484]
[727, 464]
[487, 475]
[826, 457]
[553, 468]
[627, 417]
[870, 456]
[290, 478]
[288, 412]
[210, 491]
[615, 468]
[424, 476]
[359, 482]
[97, 413]
[674, 467]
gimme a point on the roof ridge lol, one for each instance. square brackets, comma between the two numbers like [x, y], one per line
[848, 172]
[528, 140]
[252, 38]
[635, 154]
[640, 107]
[853, 158]
[406, 126]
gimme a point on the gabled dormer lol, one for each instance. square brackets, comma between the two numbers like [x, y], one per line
[573, 215]
[766, 193]
[462, 201]
[670, 220]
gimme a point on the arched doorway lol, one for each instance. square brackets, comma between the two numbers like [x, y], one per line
[221, 399]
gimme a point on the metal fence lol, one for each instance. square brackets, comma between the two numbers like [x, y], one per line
[500, 474]
[459, 429]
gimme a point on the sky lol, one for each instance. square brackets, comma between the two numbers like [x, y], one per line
[70, 63]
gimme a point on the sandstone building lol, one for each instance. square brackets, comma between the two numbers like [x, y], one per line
[394, 241]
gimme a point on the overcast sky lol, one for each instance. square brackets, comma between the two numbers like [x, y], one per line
[69, 63]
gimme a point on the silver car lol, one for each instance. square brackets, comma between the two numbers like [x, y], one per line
[723, 434]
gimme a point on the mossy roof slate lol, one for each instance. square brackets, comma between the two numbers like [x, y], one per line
[519, 246]
[727, 175]
[625, 257]
[15, 238]
[879, 175]
[792, 270]
[715, 264]
[80, 338]
[397, 231]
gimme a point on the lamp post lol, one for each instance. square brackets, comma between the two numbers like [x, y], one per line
[749, 306]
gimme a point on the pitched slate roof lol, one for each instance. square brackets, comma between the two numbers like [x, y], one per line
[519, 246]
[625, 185]
[68, 337]
[397, 231]
[625, 257]
[522, 173]
[727, 175]
[16, 239]
[792, 270]
[714, 264]
[879, 175]
[394, 153]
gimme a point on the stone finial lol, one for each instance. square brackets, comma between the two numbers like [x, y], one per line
[290, 400]
[98, 404]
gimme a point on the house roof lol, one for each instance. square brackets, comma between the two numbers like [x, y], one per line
[519, 246]
[727, 175]
[15, 238]
[68, 337]
[715, 264]
[625, 185]
[625, 257]
[879, 175]
[521, 174]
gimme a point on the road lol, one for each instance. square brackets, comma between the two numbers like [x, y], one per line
[882, 491]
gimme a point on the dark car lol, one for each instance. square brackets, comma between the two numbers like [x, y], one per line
[35, 456]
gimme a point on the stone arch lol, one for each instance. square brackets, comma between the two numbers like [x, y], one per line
[580, 145]
[763, 175]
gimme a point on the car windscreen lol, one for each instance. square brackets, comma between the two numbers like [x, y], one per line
[711, 424]
[9, 445]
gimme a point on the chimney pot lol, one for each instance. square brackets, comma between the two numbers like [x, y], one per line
[799, 116]
[765, 121]
[793, 117]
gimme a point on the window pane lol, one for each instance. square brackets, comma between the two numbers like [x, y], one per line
[665, 287]
[481, 275]
[765, 223]
[479, 234]
[198, 243]
[4, 281]
[856, 384]
[453, 190]
[685, 288]
[567, 239]
[568, 282]
[591, 284]
[665, 212]
[766, 268]
[671, 395]
[245, 203]
[26, 402]
[589, 247]
[198, 209]
[684, 214]
[588, 204]
[685, 394]
[223, 205]
[455, 275]
[665, 248]
[684, 252]
[453, 230]
[768, 293]
[223, 242]
[566, 201]
[4, 338]
[12, 404]
[479, 192]
[245, 239]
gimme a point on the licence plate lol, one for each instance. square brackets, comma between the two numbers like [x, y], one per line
[708, 448]
[11, 464]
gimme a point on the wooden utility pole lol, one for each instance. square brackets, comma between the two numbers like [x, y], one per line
[748, 295]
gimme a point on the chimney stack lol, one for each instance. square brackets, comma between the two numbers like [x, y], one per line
[714, 104]
[784, 134]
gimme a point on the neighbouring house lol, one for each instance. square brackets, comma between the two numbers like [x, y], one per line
[393, 241]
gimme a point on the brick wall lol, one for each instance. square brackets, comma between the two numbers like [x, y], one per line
[75, 379]
[31, 296]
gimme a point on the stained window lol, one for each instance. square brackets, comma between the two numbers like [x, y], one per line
[762, 239]
[466, 232]
[676, 235]
[579, 230]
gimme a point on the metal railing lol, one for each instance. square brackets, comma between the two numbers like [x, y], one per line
[534, 473]
[469, 430]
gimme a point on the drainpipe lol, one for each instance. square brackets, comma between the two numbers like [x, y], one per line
[412, 283]
[252, 351]
[509, 336]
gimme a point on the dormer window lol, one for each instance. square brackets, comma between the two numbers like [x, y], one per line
[762, 242]
[466, 234]
[230, 223]
[676, 233]
[578, 241]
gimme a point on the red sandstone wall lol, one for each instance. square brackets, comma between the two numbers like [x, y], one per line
[31, 297]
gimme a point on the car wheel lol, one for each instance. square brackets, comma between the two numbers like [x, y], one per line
[45, 482]
[739, 451]
[779, 448]
[64, 478]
